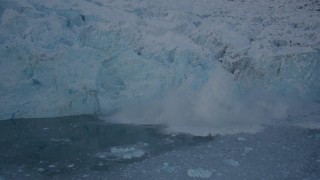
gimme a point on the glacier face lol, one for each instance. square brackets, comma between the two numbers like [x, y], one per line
[182, 63]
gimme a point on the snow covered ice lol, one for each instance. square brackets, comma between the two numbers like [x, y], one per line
[192, 65]
[201, 67]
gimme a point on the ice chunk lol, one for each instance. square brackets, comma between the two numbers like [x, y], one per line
[52, 166]
[40, 169]
[248, 149]
[199, 173]
[123, 153]
[242, 139]
[168, 168]
[231, 162]
[71, 166]
[134, 154]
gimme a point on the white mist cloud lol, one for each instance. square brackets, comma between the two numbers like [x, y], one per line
[219, 107]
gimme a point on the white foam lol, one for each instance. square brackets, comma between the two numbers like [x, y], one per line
[219, 107]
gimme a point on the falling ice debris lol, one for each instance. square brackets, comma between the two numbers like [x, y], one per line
[155, 62]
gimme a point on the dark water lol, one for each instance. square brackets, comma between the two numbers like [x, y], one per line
[46, 148]
[80, 147]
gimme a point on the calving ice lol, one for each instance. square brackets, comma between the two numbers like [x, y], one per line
[197, 66]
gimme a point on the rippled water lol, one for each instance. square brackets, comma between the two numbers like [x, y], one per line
[84, 147]
[44, 148]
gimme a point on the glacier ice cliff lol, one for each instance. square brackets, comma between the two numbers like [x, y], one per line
[174, 62]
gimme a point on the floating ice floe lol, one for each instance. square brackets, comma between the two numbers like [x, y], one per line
[168, 168]
[231, 162]
[51, 166]
[242, 139]
[62, 140]
[248, 149]
[41, 169]
[71, 166]
[199, 173]
[127, 153]
[123, 153]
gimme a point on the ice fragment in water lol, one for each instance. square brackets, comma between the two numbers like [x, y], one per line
[231, 162]
[199, 173]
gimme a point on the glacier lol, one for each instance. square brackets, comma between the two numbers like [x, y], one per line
[197, 66]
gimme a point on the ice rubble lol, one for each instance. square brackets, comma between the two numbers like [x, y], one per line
[124, 153]
[159, 60]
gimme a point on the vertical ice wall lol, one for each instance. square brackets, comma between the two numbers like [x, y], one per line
[104, 57]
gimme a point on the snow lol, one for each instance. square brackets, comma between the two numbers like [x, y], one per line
[202, 67]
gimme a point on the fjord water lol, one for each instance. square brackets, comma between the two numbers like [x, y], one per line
[84, 147]
[62, 146]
